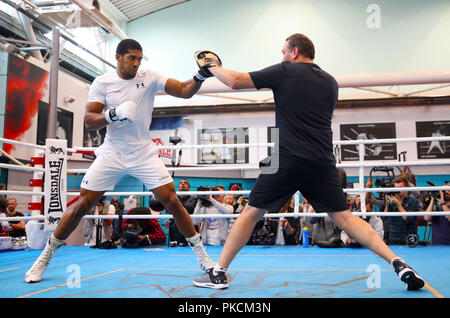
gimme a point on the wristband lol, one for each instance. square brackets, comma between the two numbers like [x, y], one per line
[111, 116]
[199, 78]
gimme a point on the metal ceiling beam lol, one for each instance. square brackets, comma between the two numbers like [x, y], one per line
[100, 20]
[138, 8]
[46, 26]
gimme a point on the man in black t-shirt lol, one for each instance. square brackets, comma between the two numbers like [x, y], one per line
[305, 97]
[189, 202]
[17, 227]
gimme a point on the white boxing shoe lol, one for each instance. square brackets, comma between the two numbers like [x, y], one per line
[202, 258]
[34, 274]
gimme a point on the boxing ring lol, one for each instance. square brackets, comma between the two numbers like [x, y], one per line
[258, 271]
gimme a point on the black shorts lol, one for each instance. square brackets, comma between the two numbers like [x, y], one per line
[319, 183]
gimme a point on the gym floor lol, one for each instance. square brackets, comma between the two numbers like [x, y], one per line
[257, 272]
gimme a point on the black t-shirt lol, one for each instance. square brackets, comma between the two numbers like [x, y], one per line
[188, 203]
[16, 233]
[305, 98]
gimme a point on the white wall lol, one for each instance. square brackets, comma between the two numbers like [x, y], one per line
[249, 35]
[404, 118]
[350, 38]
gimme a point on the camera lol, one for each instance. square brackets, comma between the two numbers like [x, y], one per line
[384, 182]
[204, 198]
[428, 195]
[175, 140]
[130, 238]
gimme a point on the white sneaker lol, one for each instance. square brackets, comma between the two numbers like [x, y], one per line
[34, 274]
[202, 258]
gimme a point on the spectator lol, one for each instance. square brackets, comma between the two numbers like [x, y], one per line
[440, 225]
[356, 205]
[17, 227]
[237, 207]
[287, 229]
[403, 201]
[117, 204]
[412, 181]
[380, 203]
[229, 199]
[325, 232]
[91, 226]
[138, 233]
[175, 236]
[214, 231]
[374, 221]
[4, 225]
[116, 208]
[263, 234]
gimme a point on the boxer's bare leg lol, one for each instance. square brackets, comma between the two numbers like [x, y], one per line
[240, 234]
[363, 233]
[167, 196]
[75, 213]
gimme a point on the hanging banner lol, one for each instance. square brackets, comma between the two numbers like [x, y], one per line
[55, 188]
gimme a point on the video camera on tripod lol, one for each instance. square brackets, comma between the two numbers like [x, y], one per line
[384, 182]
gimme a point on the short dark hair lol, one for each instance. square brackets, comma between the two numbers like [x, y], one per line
[302, 43]
[128, 44]
[186, 181]
[3, 204]
[401, 179]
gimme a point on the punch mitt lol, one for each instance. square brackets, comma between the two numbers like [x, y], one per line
[205, 60]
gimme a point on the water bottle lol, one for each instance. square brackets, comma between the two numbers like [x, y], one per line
[305, 237]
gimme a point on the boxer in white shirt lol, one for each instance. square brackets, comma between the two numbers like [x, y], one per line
[123, 102]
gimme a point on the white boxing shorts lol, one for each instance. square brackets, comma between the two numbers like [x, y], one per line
[110, 166]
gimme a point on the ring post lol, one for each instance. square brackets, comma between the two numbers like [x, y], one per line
[37, 175]
[53, 87]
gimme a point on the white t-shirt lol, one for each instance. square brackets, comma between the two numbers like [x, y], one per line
[4, 225]
[111, 90]
[130, 203]
[212, 232]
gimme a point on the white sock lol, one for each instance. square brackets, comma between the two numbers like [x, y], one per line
[392, 262]
[219, 268]
[54, 242]
[194, 240]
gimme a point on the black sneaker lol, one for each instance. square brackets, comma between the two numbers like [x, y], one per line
[209, 280]
[408, 275]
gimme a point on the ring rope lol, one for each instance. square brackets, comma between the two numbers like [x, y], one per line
[361, 164]
[232, 216]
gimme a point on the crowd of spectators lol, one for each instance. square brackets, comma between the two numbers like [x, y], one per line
[283, 230]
